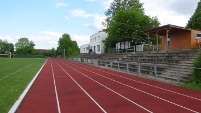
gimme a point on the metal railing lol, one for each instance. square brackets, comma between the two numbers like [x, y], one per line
[139, 69]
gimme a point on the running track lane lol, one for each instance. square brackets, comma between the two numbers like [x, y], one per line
[183, 99]
[41, 96]
[112, 91]
[178, 96]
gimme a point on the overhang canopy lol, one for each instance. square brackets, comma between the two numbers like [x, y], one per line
[162, 30]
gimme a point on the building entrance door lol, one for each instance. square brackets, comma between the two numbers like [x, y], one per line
[169, 42]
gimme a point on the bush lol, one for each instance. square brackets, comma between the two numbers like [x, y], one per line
[196, 74]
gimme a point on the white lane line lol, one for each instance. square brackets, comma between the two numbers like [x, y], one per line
[140, 90]
[112, 90]
[55, 89]
[150, 85]
[16, 71]
[83, 89]
[19, 101]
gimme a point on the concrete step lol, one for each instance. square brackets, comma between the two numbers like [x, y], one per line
[172, 79]
[172, 73]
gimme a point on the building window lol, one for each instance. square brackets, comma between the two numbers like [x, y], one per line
[91, 40]
[98, 37]
[87, 48]
[98, 47]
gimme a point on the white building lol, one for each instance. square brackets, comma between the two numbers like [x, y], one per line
[96, 43]
[84, 48]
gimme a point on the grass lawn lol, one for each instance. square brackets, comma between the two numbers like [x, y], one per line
[15, 75]
[192, 86]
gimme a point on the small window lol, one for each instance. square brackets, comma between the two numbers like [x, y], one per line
[198, 36]
[98, 47]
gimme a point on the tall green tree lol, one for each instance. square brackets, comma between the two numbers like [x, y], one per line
[6, 47]
[67, 46]
[118, 5]
[24, 46]
[53, 52]
[128, 25]
[195, 20]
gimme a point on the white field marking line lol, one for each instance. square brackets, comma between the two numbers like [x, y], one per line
[55, 89]
[17, 71]
[112, 90]
[18, 102]
[141, 91]
[82, 89]
[150, 85]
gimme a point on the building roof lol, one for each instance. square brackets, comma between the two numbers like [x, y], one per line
[162, 29]
[43, 50]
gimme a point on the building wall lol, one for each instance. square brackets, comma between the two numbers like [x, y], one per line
[180, 40]
[194, 41]
[84, 48]
[96, 43]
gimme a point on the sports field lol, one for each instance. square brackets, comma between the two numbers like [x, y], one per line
[64, 86]
[15, 75]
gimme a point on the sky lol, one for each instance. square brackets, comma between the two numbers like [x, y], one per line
[44, 21]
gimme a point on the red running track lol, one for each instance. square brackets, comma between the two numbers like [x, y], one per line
[69, 87]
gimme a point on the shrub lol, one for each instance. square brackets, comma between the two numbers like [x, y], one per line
[196, 74]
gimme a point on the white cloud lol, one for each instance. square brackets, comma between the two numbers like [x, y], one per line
[8, 38]
[66, 17]
[52, 34]
[106, 3]
[45, 39]
[79, 13]
[80, 39]
[175, 12]
[61, 4]
[96, 18]
[97, 21]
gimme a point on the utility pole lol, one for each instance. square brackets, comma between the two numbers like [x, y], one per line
[64, 54]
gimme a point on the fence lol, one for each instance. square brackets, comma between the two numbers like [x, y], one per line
[133, 49]
[127, 50]
[27, 56]
[142, 69]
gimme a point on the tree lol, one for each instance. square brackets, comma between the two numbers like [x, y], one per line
[128, 25]
[118, 5]
[196, 74]
[195, 20]
[6, 47]
[24, 46]
[53, 52]
[68, 46]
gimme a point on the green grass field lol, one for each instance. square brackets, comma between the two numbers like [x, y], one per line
[15, 75]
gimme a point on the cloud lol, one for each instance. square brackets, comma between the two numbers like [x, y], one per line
[66, 17]
[176, 12]
[97, 21]
[96, 18]
[52, 34]
[61, 4]
[45, 39]
[106, 3]
[80, 39]
[8, 38]
[80, 13]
